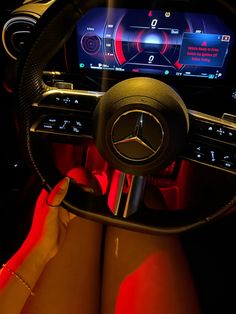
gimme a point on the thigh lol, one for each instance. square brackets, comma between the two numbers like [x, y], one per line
[146, 274]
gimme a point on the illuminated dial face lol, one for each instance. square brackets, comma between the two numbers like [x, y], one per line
[155, 42]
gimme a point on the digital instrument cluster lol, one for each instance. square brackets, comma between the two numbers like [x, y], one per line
[154, 42]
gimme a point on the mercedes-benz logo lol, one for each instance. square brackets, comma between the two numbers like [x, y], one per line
[137, 135]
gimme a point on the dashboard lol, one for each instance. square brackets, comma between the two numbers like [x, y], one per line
[178, 42]
[156, 42]
[192, 49]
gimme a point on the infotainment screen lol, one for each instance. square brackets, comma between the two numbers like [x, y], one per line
[154, 42]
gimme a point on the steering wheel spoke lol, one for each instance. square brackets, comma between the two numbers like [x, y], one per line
[212, 141]
[135, 195]
[130, 202]
[65, 114]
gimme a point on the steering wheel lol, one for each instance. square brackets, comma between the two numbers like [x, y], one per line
[139, 125]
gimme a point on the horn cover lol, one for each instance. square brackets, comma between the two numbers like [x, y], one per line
[141, 124]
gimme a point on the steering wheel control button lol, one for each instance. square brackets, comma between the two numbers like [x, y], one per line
[214, 130]
[199, 152]
[212, 155]
[225, 134]
[216, 139]
[140, 125]
[137, 135]
[228, 161]
[80, 101]
[63, 125]
[231, 135]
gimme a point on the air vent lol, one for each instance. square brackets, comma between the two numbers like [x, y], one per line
[16, 32]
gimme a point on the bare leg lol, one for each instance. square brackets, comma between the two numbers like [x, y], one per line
[143, 273]
[70, 283]
[146, 274]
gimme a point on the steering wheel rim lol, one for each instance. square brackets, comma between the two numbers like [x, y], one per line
[53, 29]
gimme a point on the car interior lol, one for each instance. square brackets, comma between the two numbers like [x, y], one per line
[143, 95]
